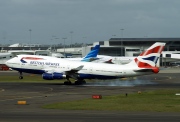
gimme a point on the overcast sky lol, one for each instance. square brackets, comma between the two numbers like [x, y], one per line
[89, 20]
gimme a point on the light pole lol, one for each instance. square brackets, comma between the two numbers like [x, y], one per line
[64, 44]
[53, 38]
[122, 41]
[30, 37]
[71, 38]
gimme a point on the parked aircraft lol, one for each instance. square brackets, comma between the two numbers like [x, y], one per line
[174, 64]
[3, 58]
[91, 56]
[114, 59]
[55, 68]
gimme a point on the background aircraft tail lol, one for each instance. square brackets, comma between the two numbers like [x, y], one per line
[150, 57]
[92, 55]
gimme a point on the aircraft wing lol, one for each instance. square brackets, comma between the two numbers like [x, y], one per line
[73, 72]
[76, 69]
[60, 71]
[69, 73]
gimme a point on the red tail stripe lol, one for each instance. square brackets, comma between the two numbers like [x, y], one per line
[32, 58]
[157, 49]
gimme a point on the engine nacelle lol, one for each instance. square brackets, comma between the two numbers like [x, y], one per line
[52, 76]
[84, 76]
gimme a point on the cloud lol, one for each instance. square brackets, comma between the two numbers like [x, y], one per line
[96, 20]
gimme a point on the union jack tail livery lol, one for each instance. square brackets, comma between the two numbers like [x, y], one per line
[150, 57]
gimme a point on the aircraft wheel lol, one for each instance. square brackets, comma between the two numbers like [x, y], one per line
[77, 83]
[20, 77]
[67, 83]
[80, 82]
[83, 82]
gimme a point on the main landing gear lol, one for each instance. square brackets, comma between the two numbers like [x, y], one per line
[68, 82]
[80, 82]
[20, 75]
[77, 82]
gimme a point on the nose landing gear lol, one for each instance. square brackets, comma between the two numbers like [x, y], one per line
[20, 75]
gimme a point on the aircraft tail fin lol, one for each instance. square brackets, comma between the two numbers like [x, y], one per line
[92, 55]
[150, 57]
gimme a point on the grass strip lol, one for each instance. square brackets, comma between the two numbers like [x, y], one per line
[163, 100]
[28, 78]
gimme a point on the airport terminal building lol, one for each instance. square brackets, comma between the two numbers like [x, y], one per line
[128, 47]
[134, 46]
[131, 47]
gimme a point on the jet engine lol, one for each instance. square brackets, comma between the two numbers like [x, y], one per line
[52, 76]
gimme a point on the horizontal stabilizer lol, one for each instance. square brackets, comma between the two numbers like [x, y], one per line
[152, 69]
[143, 70]
[89, 59]
[109, 61]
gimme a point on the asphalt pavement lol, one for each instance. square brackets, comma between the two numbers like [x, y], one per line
[38, 94]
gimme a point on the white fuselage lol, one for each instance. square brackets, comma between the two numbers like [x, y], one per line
[51, 64]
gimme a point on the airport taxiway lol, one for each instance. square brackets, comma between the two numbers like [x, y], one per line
[38, 94]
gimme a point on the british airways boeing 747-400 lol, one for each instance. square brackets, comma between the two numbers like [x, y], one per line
[54, 68]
